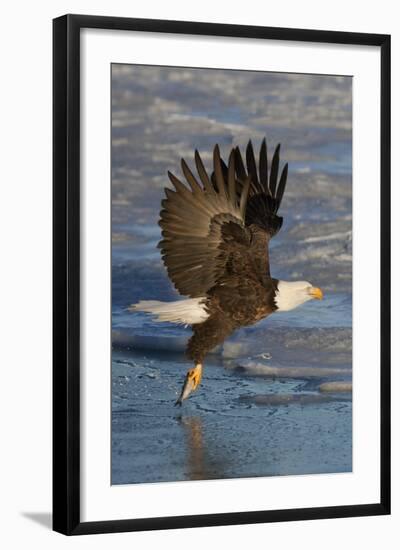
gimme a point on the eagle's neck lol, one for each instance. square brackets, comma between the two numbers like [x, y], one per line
[289, 295]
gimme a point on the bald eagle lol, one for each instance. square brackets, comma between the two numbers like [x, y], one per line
[215, 235]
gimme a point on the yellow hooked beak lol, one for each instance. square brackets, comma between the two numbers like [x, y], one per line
[316, 293]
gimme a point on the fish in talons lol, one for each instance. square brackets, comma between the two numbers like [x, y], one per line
[192, 381]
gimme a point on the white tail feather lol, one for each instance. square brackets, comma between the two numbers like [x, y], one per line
[187, 312]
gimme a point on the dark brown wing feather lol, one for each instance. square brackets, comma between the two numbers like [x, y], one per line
[265, 194]
[198, 223]
[217, 230]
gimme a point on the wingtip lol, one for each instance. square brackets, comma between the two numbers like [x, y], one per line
[169, 192]
[216, 155]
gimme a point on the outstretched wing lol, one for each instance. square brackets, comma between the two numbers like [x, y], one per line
[203, 225]
[265, 194]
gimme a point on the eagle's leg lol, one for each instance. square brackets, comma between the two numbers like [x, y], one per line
[205, 337]
[192, 381]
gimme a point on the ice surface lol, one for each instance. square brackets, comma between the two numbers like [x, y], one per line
[235, 425]
[336, 387]
[275, 399]
[256, 369]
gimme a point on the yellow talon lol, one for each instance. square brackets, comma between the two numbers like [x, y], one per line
[195, 374]
[192, 381]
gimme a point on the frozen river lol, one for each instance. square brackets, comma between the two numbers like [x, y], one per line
[276, 398]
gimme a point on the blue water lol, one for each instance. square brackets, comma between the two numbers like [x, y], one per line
[262, 408]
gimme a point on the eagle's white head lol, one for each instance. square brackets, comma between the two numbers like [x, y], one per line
[290, 295]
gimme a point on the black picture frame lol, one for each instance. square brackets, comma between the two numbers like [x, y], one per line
[66, 273]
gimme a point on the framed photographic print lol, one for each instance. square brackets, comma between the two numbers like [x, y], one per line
[221, 274]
